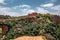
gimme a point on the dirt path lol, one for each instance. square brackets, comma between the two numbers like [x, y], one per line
[31, 38]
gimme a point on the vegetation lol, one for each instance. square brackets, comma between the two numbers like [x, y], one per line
[41, 24]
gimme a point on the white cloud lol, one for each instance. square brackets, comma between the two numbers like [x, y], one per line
[6, 11]
[22, 6]
[53, 0]
[21, 12]
[42, 10]
[47, 5]
[15, 11]
[18, 11]
[56, 8]
[28, 6]
[27, 11]
[56, 13]
[2, 1]
[30, 11]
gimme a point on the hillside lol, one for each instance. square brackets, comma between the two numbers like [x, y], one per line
[33, 24]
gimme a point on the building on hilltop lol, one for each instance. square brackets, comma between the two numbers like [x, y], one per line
[33, 14]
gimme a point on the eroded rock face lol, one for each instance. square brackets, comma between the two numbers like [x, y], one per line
[4, 28]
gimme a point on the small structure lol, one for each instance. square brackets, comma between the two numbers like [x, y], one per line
[3, 29]
[33, 14]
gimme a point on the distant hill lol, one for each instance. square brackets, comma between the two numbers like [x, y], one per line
[53, 18]
[33, 24]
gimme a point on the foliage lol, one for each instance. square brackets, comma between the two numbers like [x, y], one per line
[32, 26]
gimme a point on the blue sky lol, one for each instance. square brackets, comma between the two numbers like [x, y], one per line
[24, 7]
